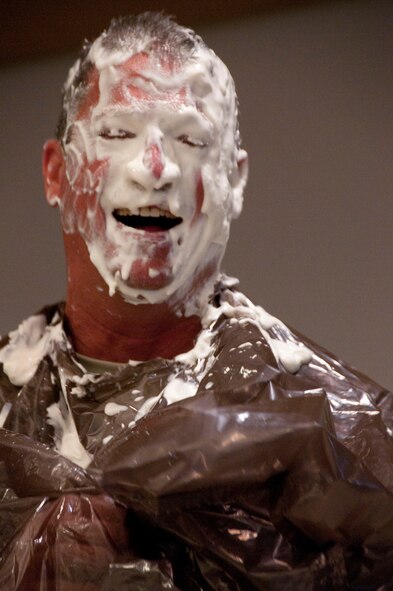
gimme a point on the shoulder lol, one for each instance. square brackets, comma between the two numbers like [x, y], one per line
[22, 350]
[294, 353]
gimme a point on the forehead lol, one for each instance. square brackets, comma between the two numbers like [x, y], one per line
[143, 80]
[140, 79]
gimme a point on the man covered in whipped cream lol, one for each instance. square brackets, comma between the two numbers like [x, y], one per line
[159, 430]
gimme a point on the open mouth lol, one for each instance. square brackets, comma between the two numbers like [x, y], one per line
[149, 219]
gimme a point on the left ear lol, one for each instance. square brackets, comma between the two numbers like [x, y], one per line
[53, 168]
[238, 180]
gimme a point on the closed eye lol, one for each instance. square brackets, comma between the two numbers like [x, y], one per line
[116, 134]
[190, 141]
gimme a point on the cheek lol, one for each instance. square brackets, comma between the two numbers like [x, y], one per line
[85, 176]
[81, 209]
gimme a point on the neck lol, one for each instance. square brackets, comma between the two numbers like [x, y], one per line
[109, 328]
[140, 335]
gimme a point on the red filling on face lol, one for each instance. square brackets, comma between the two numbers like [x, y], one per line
[153, 159]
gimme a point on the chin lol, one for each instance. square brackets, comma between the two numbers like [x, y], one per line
[148, 283]
[146, 277]
[152, 290]
[143, 288]
[186, 291]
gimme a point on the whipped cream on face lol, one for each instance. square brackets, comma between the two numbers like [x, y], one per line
[188, 117]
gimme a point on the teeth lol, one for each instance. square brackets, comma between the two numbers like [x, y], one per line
[147, 211]
[153, 212]
[123, 211]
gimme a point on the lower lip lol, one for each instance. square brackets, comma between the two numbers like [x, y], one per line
[153, 229]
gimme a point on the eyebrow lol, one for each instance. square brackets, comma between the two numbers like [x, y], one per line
[114, 113]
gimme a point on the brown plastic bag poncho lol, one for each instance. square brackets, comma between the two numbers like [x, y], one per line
[264, 479]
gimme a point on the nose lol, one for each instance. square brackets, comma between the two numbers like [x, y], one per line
[153, 169]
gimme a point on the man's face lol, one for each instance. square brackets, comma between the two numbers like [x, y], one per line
[144, 175]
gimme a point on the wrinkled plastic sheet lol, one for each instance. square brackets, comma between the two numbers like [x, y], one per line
[272, 485]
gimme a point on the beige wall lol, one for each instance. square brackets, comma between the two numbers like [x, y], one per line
[314, 244]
